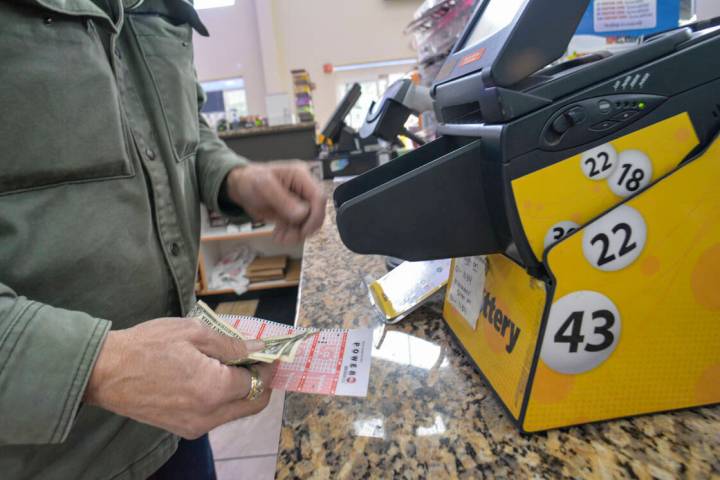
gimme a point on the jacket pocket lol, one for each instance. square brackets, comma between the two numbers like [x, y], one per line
[62, 121]
[167, 48]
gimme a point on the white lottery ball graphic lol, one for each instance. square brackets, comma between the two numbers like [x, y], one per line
[615, 240]
[599, 163]
[633, 172]
[559, 231]
[582, 332]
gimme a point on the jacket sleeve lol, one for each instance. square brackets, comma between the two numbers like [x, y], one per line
[214, 162]
[46, 356]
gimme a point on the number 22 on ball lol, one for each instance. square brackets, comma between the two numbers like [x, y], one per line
[615, 240]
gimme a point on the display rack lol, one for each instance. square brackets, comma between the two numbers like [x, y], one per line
[435, 30]
[302, 88]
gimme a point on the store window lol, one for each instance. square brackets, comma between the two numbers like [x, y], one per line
[226, 100]
[687, 10]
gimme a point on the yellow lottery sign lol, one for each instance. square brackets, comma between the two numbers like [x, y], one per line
[555, 201]
[627, 319]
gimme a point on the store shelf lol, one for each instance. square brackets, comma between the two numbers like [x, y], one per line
[292, 279]
[303, 87]
[221, 234]
[436, 31]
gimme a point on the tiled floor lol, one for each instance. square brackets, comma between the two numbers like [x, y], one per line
[256, 468]
[247, 448]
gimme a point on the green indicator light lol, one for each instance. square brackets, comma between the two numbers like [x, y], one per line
[642, 105]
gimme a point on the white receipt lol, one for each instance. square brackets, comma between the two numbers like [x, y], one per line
[406, 287]
[466, 291]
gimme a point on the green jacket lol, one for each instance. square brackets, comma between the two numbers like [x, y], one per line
[104, 160]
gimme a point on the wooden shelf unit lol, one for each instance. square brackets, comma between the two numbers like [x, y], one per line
[217, 242]
[292, 279]
[220, 235]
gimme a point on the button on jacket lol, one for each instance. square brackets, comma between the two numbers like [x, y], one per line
[104, 160]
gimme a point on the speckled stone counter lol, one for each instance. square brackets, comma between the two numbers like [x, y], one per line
[429, 414]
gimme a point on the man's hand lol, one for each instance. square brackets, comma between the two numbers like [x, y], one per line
[168, 373]
[284, 193]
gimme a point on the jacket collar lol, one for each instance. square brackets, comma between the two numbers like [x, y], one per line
[181, 10]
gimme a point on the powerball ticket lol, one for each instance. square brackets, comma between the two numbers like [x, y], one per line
[333, 362]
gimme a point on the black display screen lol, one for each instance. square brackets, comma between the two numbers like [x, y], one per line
[497, 15]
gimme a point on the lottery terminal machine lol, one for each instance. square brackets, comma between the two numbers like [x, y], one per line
[580, 203]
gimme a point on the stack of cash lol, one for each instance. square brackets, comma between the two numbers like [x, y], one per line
[281, 348]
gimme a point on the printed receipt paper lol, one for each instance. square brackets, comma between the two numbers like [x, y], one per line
[406, 287]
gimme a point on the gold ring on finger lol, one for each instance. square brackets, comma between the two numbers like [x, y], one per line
[256, 385]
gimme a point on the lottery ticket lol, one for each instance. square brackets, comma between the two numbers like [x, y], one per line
[331, 362]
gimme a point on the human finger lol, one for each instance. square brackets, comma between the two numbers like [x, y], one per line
[239, 406]
[223, 348]
[287, 206]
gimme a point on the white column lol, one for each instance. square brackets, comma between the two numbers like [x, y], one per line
[278, 98]
[273, 58]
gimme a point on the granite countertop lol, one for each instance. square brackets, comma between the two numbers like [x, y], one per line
[247, 132]
[429, 414]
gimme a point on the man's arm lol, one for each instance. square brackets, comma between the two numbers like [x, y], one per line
[282, 192]
[213, 164]
[46, 356]
[166, 372]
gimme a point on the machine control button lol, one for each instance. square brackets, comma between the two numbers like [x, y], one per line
[605, 107]
[602, 126]
[561, 124]
[577, 115]
[569, 119]
[626, 115]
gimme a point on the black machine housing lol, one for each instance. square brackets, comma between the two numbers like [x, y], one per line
[505, 112]
[344, 152]
[386, 119]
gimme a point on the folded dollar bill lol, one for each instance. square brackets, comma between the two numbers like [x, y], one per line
[281, 348]
[208, 317]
